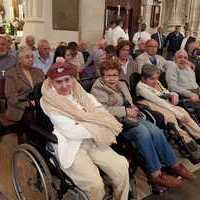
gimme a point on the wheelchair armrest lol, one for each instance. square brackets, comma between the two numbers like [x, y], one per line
[50, 137]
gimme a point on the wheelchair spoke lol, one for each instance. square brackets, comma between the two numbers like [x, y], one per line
[30, 175]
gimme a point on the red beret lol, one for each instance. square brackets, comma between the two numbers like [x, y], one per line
[58, 70]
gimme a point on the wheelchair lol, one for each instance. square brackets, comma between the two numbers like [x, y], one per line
[36, 172]
[169, 129]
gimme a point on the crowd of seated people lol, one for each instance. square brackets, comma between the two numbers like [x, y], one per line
[160, 99]
[88, 127]
[114, 95]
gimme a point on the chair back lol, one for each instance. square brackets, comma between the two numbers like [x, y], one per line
[134, 79]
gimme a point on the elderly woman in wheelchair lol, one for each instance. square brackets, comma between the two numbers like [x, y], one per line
[85, 130]
[160, 99]
[149, 139]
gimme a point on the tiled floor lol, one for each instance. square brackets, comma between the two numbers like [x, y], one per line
[189, 191]
[7, 144]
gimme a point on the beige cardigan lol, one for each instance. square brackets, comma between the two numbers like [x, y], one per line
[153, 95]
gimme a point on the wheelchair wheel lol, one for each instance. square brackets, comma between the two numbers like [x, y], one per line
[31, 177]
[75, 194]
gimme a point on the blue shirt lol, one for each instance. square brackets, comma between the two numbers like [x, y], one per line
[42, 64]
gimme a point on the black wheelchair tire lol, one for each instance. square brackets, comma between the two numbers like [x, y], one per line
[40, 165]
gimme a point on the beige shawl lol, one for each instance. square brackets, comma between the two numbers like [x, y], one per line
[102, 126]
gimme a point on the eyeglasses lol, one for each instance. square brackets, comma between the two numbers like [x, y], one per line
[153, 46]
[111, 75]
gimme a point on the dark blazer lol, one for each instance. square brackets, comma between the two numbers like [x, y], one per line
[18, 87]
[156, 37]
[174, 41]
[190, 40]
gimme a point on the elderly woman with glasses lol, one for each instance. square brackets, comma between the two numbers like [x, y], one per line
[149, 139]
[85, 131]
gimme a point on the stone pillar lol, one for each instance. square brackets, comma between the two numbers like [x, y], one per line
[34, 18]
[146, 12]
[7, 6]
[195, 15]
[177, 16]
[147, 15]
[91, 20]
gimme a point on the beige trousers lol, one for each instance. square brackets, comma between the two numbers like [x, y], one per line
[191, 126]
[85, 173]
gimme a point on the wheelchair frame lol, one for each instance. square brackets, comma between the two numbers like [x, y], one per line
[38, 148]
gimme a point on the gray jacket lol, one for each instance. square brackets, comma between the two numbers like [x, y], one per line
[112, 100]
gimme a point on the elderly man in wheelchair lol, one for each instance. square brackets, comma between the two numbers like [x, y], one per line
[83, 136]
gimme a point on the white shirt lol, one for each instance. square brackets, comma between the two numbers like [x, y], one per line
[144, 35]
[184, 43]
[42, 64]
[108, 36]
[69, 133]
[124, 67]
[117, 33]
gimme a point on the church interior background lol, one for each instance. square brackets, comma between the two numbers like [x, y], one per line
[88, 19]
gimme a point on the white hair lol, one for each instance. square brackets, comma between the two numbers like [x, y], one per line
[41, 42]
[22, 52]
[181, 51]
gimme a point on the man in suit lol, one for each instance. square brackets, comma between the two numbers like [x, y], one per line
[173, 42]
[160, 38]
[150, 56]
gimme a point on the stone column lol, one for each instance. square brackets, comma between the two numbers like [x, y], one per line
[195, 15]
[34, 18]
[147, 15]
[147, 6]
[7, 6]
[91, 20]
[177, 16]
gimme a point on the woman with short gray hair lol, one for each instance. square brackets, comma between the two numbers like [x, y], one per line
[20, 81]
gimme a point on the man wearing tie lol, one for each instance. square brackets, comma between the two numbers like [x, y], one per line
[150, 56]
[160, 38]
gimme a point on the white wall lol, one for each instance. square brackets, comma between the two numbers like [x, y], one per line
[91, 22]
[42, 27]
